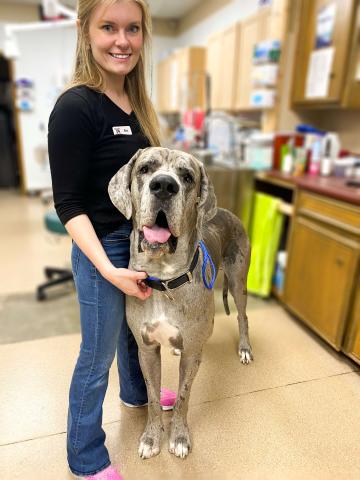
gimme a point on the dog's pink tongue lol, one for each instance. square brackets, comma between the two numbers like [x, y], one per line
[156, 234]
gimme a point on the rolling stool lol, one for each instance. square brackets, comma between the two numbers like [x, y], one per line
[55, 276]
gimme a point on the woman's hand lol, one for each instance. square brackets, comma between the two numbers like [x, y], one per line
[128, 281]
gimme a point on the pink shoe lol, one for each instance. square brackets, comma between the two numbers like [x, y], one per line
[108, 474]
[167, 400]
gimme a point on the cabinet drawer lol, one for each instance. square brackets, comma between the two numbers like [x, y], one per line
[337, 214]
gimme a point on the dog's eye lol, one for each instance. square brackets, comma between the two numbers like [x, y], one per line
[144, 169]
[188, 178]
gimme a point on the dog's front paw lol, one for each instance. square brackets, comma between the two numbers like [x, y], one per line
[149, 445]
[180, 444]
[245, 355]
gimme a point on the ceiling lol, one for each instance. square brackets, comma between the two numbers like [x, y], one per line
[159, 8]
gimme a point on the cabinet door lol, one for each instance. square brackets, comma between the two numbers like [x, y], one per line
[221, 62]
[272, 21]
[352, 88]
[229, 50]
[181, 80]
[162, 86]
[167, 85]
[352, 341]
[195, 75]
[306, 44]
[213, 62]
[178, 80]
[319, 278]
[249, 36]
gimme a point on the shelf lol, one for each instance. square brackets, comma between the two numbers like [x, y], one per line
[277, 178]
[286, 208]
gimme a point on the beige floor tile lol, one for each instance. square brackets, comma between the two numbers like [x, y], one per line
[35, 375]
[34, 382]
[273, 434]
[303, 431]
[26, 246]
[293, 414]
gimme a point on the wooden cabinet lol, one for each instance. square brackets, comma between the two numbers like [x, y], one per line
[222, 54]
[343, 89]
[250, 32]
[181, 80]
[163, 102]
[267, 24]
[230, 56]
[323, 260]
[352, 340]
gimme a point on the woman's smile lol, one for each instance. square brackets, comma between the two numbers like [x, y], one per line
[121, 56]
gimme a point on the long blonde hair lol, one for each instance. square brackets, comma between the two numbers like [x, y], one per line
[87, 71]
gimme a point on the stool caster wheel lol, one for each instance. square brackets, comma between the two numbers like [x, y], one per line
[40, 296]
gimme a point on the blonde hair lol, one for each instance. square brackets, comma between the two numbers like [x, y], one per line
[87, 71]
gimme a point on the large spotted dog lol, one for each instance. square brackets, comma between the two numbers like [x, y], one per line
[176, 228]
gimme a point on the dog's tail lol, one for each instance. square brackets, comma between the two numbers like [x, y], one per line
[225, 294]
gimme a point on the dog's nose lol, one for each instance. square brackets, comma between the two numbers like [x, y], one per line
[164, 187]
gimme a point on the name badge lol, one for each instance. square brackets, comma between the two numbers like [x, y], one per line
[122, 130]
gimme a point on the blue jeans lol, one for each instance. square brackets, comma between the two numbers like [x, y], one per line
[104, 330]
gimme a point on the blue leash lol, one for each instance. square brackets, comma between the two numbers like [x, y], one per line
[207, 259]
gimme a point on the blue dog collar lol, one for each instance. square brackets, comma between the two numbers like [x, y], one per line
[167, 285]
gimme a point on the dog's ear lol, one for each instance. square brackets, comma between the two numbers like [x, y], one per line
[119, 187]
[207, 206]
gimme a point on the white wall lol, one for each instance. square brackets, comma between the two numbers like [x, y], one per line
[220, 20]
[47, 58]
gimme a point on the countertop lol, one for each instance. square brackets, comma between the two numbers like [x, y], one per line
[334, 187]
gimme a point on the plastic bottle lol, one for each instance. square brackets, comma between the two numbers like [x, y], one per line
[279, 277]
[326, 161]
[331, 148]
[315, 159]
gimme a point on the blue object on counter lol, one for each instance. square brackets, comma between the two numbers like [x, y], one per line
[180, 134]
[303, 128]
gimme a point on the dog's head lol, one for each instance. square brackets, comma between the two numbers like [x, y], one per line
[167, 193]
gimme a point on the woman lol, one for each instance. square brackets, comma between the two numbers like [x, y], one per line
[96, 126]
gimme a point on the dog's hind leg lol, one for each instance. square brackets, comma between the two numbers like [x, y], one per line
[236, 269]
[150, 362]
[179, 443]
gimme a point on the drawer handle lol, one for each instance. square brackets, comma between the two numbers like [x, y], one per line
[339, 262]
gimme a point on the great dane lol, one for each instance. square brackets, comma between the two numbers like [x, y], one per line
[178, 231]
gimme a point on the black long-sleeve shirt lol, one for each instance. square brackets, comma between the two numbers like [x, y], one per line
[86, 148]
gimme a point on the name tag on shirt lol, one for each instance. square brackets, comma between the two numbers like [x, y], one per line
[126, 130]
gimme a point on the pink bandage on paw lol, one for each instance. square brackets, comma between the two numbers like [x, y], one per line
[167, 399]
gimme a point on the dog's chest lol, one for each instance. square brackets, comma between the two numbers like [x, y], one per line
[157, 328]
[162, 332]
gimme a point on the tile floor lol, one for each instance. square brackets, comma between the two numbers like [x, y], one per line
[292, 414]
